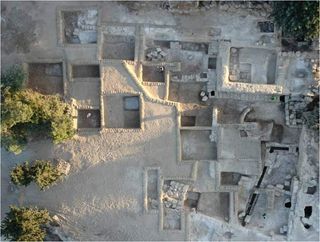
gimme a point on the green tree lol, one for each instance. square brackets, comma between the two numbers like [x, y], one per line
[312, 118]
[298, 19]
[14, 78]
[44, 173]
[25, 224]
[15, 109]
[28, 113]
[13, 142]
[21, 174]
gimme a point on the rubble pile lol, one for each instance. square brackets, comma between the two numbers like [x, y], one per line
[63, 166]
[181, 6]
[156, 54]
[174, 195]
[295, 106]
[263, 8]
[186, 7]
[81, 26]
[280, 189]
[87, 28]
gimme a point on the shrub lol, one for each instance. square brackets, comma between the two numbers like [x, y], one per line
[28, 113]
[25, 224]
[298, 19]
[312, 118]
[14, 78]
[13, 143]
[43, 173]
[21, 175]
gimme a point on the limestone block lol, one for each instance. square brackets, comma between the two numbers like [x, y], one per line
[241, 214]
[247, 219]
[185, 188]
[285, 228]
[205, 98]
[280, 186]
[63, 167]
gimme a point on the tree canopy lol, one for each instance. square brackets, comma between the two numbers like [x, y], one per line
[24, 224]
[21, 174]
[14, 77]
[43, 173]
[25, 112]
[298, 19]
[311, 115]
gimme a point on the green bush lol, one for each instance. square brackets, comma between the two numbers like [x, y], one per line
[25, 224]
[28, 113]
[14, 78]
[43, 173]
[312, 118]
[13, 143]
[298, 19]
[21, 175]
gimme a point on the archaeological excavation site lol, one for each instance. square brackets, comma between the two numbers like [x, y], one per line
[159, 121]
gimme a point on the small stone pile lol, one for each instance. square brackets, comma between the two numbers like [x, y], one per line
[63, 166]
[174, 195]
[295, 106]
[284, 229]
[155, 54]
[85, 26]
[263, 8]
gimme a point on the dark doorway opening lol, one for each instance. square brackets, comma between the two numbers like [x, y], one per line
[307, 211]
[287, 204]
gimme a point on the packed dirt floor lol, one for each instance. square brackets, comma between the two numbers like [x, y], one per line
[103, 197]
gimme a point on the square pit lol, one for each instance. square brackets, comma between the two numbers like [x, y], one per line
[153, 73]
[46, 78]
[196, 145]
[252, 65]
[220, 200]
[86, 93]
[229, 178]
[79, 26]
[89, 118]
[118, 47]
[122, 111]
[187, 92]
[85, 71]
[197, 116]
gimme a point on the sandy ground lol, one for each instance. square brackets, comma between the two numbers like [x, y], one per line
[205, 228]
[102, 198]
[106, 184]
